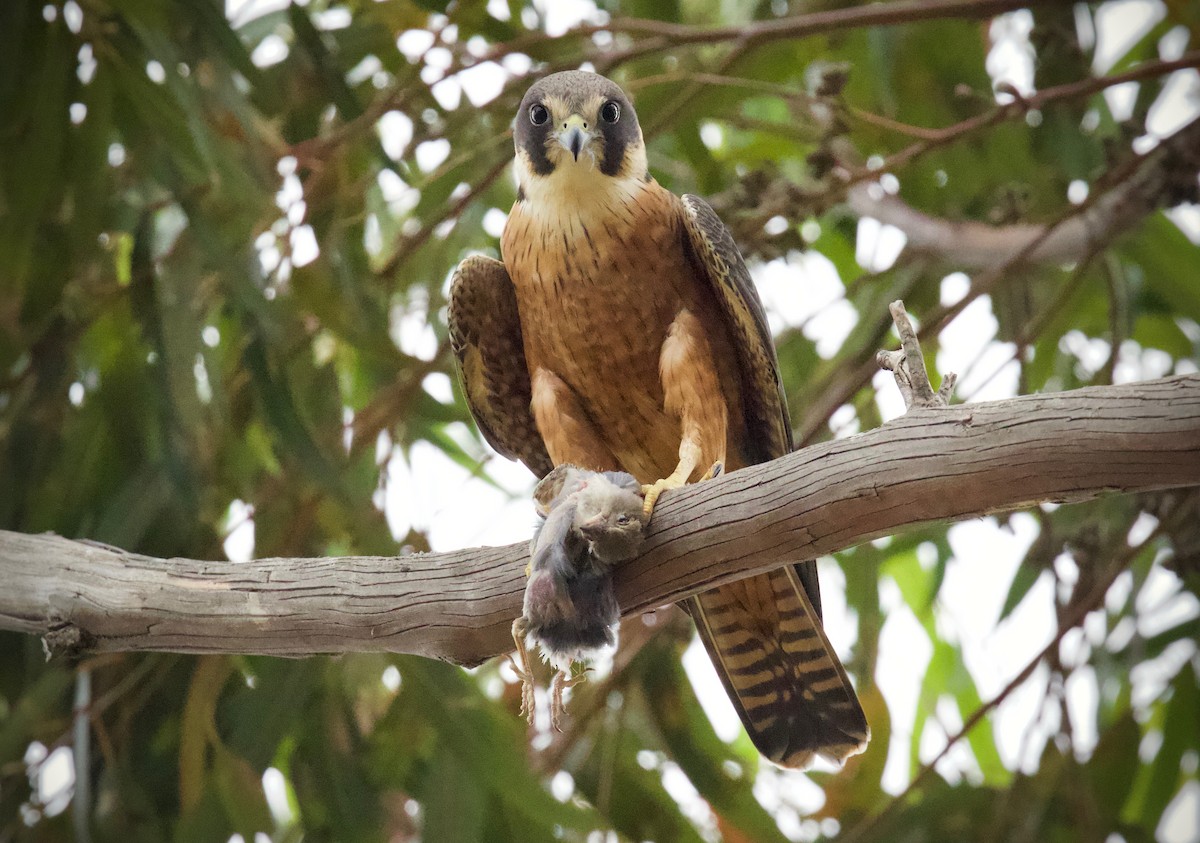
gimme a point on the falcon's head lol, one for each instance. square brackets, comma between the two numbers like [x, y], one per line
[577, 131]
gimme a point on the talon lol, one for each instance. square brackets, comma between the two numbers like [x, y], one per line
[689, 458]
[654, 490]
[713, 471]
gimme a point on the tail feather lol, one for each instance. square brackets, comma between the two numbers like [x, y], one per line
[784, 678]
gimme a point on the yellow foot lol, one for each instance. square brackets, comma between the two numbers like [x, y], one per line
[675, 481]
[653, 490]
[557, 685]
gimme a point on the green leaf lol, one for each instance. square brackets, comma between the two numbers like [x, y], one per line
[690, 741]
[1165, 253]
[1157, 785]
[241, 789]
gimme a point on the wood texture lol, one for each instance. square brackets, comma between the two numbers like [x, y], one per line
[929, 465]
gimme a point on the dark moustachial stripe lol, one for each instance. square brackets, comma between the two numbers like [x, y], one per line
[531, 139]
[619, 137]
[535, 145]
[614, 149]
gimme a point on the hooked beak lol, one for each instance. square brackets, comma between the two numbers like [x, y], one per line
[574, 136]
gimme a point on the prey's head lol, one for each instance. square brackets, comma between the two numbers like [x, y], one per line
[575, 129]
[611, 518]
[563, 481]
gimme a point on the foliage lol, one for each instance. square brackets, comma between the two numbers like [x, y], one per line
[169, 343]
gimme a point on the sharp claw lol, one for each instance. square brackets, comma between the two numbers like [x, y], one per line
[714, 471]
[654, 490]
[651, 492]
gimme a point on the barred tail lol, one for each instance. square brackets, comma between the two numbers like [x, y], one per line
[785, 680]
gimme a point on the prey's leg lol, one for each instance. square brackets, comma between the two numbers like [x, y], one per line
[558, 684]
[521, 665]
[692, 394]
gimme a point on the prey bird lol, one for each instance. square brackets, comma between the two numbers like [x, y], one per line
[622, 331]
[592, 521]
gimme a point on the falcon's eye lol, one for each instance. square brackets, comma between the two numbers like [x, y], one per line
[538, 114]
[610, 112]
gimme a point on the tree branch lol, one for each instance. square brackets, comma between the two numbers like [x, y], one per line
[664, 35]
[908, 366]
[1153, 180]
[1019, 107]
[930, 465]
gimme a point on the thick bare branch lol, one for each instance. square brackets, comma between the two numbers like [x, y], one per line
[930, 465]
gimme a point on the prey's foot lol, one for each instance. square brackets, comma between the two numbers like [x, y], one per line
[520, 662]
[526, 677]
[560, 682]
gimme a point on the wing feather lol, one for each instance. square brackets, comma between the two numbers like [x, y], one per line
[769, 431]
[765, 634]
[489, 352]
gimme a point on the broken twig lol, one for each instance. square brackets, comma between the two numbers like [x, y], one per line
[908, 366]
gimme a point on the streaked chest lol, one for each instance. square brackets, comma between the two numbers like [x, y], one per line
[597, 286]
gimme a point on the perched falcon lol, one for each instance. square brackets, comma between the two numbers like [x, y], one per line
[622, 331]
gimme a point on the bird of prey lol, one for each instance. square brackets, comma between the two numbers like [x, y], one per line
[622, 331]
[591, 522]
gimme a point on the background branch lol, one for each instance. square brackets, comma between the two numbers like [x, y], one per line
[1152, 180]
[1132, 191]
[931, 139]
[928, 466]
[664, 35]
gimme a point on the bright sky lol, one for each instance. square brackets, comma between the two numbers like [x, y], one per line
[429, 491]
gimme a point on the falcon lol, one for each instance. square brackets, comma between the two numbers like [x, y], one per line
[622, 331]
